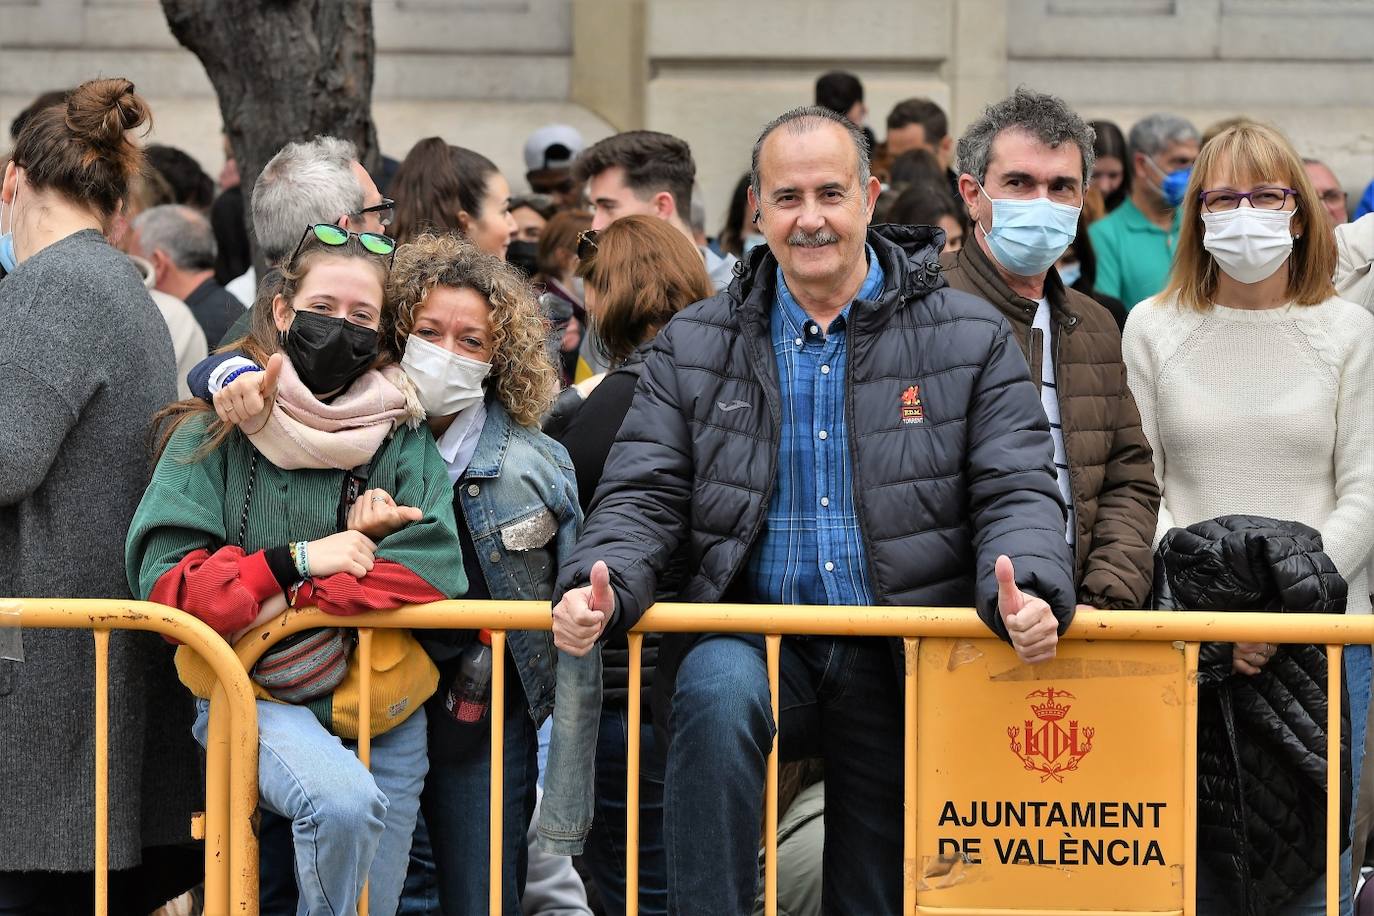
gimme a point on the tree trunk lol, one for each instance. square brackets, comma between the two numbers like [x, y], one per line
[283, 70]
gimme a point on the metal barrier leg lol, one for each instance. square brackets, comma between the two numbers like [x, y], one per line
[770, 798]
[102, 771]
[217, 851]
[240, 750]
[364, 722]
[498, 765]
[909, 865]
[1334, 669]
[636, 643]
[1190, 660]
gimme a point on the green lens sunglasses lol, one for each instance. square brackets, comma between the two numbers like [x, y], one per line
[336, 236]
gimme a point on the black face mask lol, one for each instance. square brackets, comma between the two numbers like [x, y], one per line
[521, 255]
[328, 353]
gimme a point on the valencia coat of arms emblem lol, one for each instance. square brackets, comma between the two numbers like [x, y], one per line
[1046, 744]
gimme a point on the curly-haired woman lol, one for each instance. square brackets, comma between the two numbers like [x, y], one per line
[473, 340]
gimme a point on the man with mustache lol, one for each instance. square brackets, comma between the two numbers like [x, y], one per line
[835, 428]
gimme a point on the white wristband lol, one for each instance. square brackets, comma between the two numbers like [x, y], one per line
[223, 370]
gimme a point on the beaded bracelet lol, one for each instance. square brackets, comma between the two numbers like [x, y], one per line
[236, 373]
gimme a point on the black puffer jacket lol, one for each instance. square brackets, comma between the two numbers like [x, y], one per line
[587, 428]
[937, 499]
[1261, 738]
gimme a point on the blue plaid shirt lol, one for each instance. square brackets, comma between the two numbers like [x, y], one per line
[811, 551]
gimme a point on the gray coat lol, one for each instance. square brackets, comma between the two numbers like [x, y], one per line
[85, 361]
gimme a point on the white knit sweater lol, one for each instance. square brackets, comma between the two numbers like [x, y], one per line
[1262, 412]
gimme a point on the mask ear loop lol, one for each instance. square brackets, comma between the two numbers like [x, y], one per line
[10, 206]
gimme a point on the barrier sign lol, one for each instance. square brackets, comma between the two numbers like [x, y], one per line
[1057, 786]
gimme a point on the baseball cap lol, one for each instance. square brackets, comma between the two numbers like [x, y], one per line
[553, 146]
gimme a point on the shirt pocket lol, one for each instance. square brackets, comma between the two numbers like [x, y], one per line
[529, 532]
[530, 542]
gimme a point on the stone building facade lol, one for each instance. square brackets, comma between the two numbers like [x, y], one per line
[483, 73]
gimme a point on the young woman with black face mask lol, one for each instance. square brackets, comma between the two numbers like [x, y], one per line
[242, 520]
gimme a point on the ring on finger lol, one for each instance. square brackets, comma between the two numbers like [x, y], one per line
[378, 499]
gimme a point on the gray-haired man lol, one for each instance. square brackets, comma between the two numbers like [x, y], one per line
[180, 244]
[1134, 244]
[838, 428]
[315, 181]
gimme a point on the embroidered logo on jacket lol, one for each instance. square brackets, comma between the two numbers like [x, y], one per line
[912, 409]
[733, 405]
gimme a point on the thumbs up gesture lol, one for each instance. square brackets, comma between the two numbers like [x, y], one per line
[1029, 620]
[583, 613]
[247, 400]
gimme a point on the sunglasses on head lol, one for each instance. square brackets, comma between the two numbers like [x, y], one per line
[336, 236]
[586, 244]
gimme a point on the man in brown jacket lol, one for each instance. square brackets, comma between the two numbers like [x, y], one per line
[1024, 167]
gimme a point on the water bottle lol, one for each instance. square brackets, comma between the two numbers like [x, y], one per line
[469, 696]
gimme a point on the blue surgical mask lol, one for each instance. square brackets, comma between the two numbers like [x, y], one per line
[8, 259]
[1174, 185]
[1028, 236]
[1069, 273]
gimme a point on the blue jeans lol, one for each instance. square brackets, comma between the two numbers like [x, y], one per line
[604, 856]
[456, 802]
[349, 825]
[1357, 678]
[840, 700]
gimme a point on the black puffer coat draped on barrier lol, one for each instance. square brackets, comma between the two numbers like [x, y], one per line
[1262, 738]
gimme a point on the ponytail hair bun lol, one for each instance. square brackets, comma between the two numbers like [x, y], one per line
[83, 149]
[101, 112]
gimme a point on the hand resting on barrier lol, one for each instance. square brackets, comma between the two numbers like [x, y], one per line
[1030, 621]
[1250, 657]
[582, 614]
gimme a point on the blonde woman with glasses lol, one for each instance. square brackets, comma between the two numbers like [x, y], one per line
[1253, 384]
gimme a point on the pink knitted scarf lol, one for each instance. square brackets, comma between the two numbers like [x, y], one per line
[303, 432]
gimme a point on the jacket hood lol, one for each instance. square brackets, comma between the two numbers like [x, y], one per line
[910, 256]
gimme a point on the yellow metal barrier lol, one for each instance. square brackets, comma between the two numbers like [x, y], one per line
[1182, 630]
[231, 862]
[497, 616]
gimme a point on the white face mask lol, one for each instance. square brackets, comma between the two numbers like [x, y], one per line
[1248, 244]
[446, 382]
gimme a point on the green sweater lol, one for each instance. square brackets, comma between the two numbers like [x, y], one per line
[198, 504]
[193, 505]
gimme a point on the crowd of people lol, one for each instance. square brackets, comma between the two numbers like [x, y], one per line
[1044, 366]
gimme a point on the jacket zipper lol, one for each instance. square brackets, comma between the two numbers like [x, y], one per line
[859, 511]
[774, 399]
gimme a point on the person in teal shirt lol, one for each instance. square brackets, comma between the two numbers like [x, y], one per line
[1134, 245]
